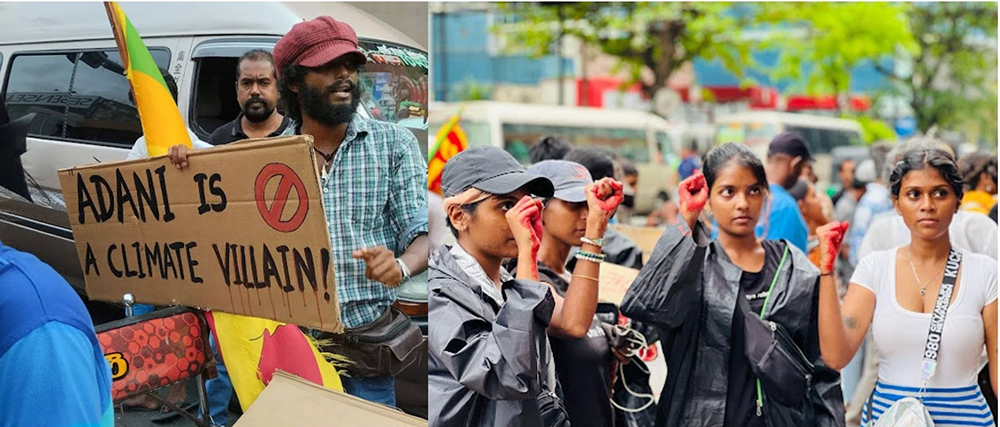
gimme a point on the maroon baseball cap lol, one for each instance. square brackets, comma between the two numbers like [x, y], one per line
[314, 43]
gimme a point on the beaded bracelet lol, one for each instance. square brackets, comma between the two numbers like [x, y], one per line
[590, 256]
[599, 242]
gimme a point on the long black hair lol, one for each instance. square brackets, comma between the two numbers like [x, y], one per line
[291, 75]
[927, 158]
[719, 156]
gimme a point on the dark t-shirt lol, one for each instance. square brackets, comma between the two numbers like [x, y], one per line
[233, 131]
[583, 367]
[741, 397]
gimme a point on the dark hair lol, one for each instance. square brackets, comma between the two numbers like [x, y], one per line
[663, 195]
[255, 55]
[629, 168]
[799, 190]
[291, 75]
[596, 161]
[167, 79]
[840, 166]
[548, 148]
[731, 151]
[171, 83]
[469, 209]
[927, 158]
[973, 165]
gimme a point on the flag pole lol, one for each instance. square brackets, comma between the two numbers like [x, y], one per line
[118, 31]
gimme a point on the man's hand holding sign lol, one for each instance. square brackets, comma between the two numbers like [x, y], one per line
[240, 237]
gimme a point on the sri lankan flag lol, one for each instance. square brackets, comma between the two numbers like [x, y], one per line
[450, 140]
[252, 349]
[162, 124]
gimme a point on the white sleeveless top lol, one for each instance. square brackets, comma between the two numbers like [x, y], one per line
[900, 334]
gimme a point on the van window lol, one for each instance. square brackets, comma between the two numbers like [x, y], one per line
[214, 102]
[78, 96]
[393, 82]
[822, 141]
[629, 143]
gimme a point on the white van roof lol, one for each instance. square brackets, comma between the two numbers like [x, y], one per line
[43, 22]
[794, 119]
[542, 114]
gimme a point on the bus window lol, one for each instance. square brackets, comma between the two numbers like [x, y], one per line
[757, 132]
[665, 144]
[730, 132]
[823, 141]
[629, 143]
[476, 133]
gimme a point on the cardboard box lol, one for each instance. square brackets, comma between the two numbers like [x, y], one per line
[614, 282]
[289, 401]
[644, 237]
[242, 229]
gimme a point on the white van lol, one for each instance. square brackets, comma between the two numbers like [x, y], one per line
[822, 133]
[60, 62]
[645, 139]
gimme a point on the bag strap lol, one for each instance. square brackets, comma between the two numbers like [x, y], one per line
[744, 305]
[933, 343]
[774, 280]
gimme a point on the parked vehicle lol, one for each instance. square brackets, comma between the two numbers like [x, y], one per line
[61, 71]
[645, 139]
[822, 133]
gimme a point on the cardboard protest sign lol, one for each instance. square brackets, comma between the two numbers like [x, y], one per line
[644, 237]
[614, 282]
[289, 401]
[241, 229]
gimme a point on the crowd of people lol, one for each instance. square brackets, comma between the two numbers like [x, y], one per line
[373, 181]
[773, 301]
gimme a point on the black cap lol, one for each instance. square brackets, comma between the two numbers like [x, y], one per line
[789, 143]
[492, 170]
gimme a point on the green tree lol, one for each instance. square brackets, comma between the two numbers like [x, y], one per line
[824, 42]
[660, 37]
[952, 74]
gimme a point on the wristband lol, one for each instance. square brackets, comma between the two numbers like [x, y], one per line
[599, 242]
[586, 277]
[403, 269]
[826, 274]
[590, 256]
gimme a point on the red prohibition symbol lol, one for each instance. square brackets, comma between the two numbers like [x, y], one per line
[287, 179]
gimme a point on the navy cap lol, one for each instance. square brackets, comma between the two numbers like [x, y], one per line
[492, 170]
[570, 179]
[789, 143]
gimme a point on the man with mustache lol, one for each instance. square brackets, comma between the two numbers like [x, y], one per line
[257, 94]
[374, 184]
[373, 179]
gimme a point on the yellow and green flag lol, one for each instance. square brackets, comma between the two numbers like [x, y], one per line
[162, 124]
[450, 141]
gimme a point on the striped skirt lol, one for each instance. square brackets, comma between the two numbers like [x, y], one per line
[963, 406]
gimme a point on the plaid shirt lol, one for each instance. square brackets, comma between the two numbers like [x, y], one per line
[375, 194]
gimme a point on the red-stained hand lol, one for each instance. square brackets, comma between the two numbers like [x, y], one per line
[536, 220]
[604, 197]
[693, 193]
[525, 221]
[831, 236]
